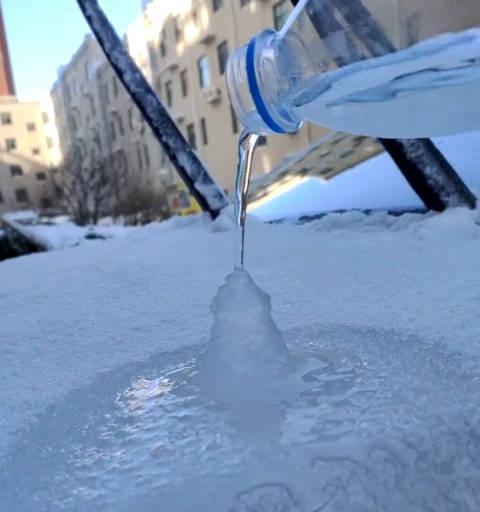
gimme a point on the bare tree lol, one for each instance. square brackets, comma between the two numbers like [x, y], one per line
[90, 185]
[140, 203]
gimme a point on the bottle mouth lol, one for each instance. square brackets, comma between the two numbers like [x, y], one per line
[245, 90]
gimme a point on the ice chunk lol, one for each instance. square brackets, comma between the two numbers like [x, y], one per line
[246, 361]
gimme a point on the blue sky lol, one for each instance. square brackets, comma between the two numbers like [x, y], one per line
[44, 34]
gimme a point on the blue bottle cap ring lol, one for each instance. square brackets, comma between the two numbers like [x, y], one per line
[255, 89]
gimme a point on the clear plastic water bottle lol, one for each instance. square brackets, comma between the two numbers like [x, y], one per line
[384, 68]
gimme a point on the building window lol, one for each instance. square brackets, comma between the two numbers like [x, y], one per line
[184, 82]
[41, 176]
[35, 151]
[113, 133]
[163, 45]
[10, 144]
[195, 15]
[121, 130]
[169, 93]
[22, 195]
[49, 142]
[234, 120]
[46, 202]
[243, 3]
[45, 118]
[216, 4]
[414, 25]
[139, 158]
[222, 52]
[93, 109]
[16, 170]
[146, 156]
[191, 137]
[31, 127]
[203, 125]
[130, 119]
[115, 86]
[177, 29]
[6, 118]
[281, 11]
[106, 94]
[262, 141]
[1, 197]
[203, 72]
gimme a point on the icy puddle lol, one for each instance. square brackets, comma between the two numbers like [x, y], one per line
[345, 419]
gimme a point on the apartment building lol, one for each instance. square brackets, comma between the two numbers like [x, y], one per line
[190, 41]
[26, 149]
[77, 102]
[96, 116]
[182, 47]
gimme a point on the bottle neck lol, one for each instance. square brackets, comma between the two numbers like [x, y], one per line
[257, 86]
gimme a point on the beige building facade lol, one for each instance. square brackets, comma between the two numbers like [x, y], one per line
[95, 115]
[182, 47]
[190, 41]
[27, 146]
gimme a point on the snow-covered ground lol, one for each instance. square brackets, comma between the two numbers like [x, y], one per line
[60, 232]
[88, 421]
[373, 184]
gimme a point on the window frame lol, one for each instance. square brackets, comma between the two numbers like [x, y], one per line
[6, 118]
[204, 131]
[9, 146]
[222, 57]
[279, 20]
[168, 86]
[191, 135]
[184, 82]
[217, 5]
[203, 69]
[20, 191]
[15, 170]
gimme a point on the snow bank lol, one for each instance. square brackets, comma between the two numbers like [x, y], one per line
[373, 184]
[61, 233]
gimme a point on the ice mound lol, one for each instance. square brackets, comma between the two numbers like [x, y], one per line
[246, 361]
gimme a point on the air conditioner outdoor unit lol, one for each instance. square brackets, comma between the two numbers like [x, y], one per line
[169, 65]
[207, 38]
[212, 94]
[179, 117]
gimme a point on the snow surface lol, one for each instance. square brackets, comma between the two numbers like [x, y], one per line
[373, 184]
[61, 233]
[390, 305]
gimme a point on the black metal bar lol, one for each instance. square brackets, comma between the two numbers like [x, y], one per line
[192, 171]
[15, 242]
[422, 164]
